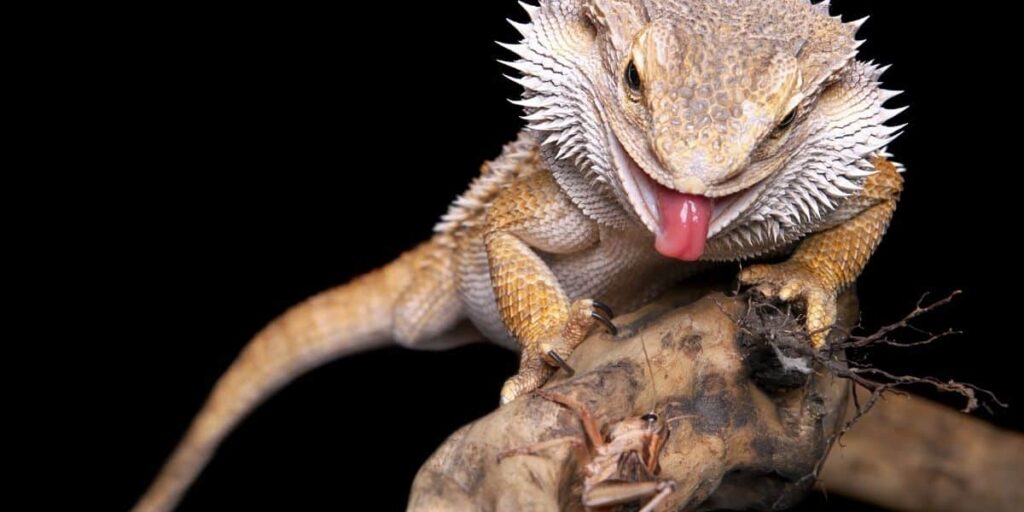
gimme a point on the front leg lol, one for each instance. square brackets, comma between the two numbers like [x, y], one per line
[533, 213]
[827, 262]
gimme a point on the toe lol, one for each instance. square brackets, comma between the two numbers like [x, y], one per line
[533, 372]
[765, 290]
[792, 290]
[508, 392]
[791, 282]
[821, 316]
[752, 275]
[766, 279]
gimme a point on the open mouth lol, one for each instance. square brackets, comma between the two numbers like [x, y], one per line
[682, 222]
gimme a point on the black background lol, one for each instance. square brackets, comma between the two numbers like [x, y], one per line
[232, 162]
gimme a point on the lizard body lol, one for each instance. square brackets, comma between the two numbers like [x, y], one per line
[662, 134]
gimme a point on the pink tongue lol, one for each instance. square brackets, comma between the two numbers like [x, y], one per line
[684, 224]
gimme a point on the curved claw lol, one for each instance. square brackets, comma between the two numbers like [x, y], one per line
[612, 329]
[561, 363]
[603, 307]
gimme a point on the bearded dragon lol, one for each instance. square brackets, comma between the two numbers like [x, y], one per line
[661, 135]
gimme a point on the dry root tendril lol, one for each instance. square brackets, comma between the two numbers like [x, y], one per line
[789, 362]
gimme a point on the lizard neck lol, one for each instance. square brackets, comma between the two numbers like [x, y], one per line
[595, 198]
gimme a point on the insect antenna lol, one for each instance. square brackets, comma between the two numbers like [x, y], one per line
[650, 371]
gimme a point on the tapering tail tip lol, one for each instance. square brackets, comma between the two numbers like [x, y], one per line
[352, 318]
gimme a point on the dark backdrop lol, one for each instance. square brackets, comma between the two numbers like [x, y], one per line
[251, 157]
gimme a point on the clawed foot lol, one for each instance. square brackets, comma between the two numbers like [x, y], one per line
[540, 361]
[582, 315]
[794, 281]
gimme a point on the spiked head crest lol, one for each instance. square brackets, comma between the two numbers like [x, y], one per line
[757, 109]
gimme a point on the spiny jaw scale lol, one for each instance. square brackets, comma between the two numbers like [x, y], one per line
[640, 189]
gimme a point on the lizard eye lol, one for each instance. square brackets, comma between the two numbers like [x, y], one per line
[785, 123]
[632, 79]
[788, 120]
[650, 417]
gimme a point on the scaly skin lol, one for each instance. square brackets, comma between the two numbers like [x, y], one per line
[356, 316]
[759, 106]
[826, 263]
[531, 213]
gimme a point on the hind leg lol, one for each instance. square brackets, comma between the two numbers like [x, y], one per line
[427, 313]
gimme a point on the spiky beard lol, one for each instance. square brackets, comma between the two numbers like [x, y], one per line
[811, 191]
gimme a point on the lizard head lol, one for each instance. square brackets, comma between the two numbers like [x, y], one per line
[685, 109]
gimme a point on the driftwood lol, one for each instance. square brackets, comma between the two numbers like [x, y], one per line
[743, 433]
[914, 455]
[749, 420]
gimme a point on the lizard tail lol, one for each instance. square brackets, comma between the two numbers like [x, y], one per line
[412, 297]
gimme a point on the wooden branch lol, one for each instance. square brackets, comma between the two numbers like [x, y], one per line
[748, 427]
[745, 433]
[914, 455]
